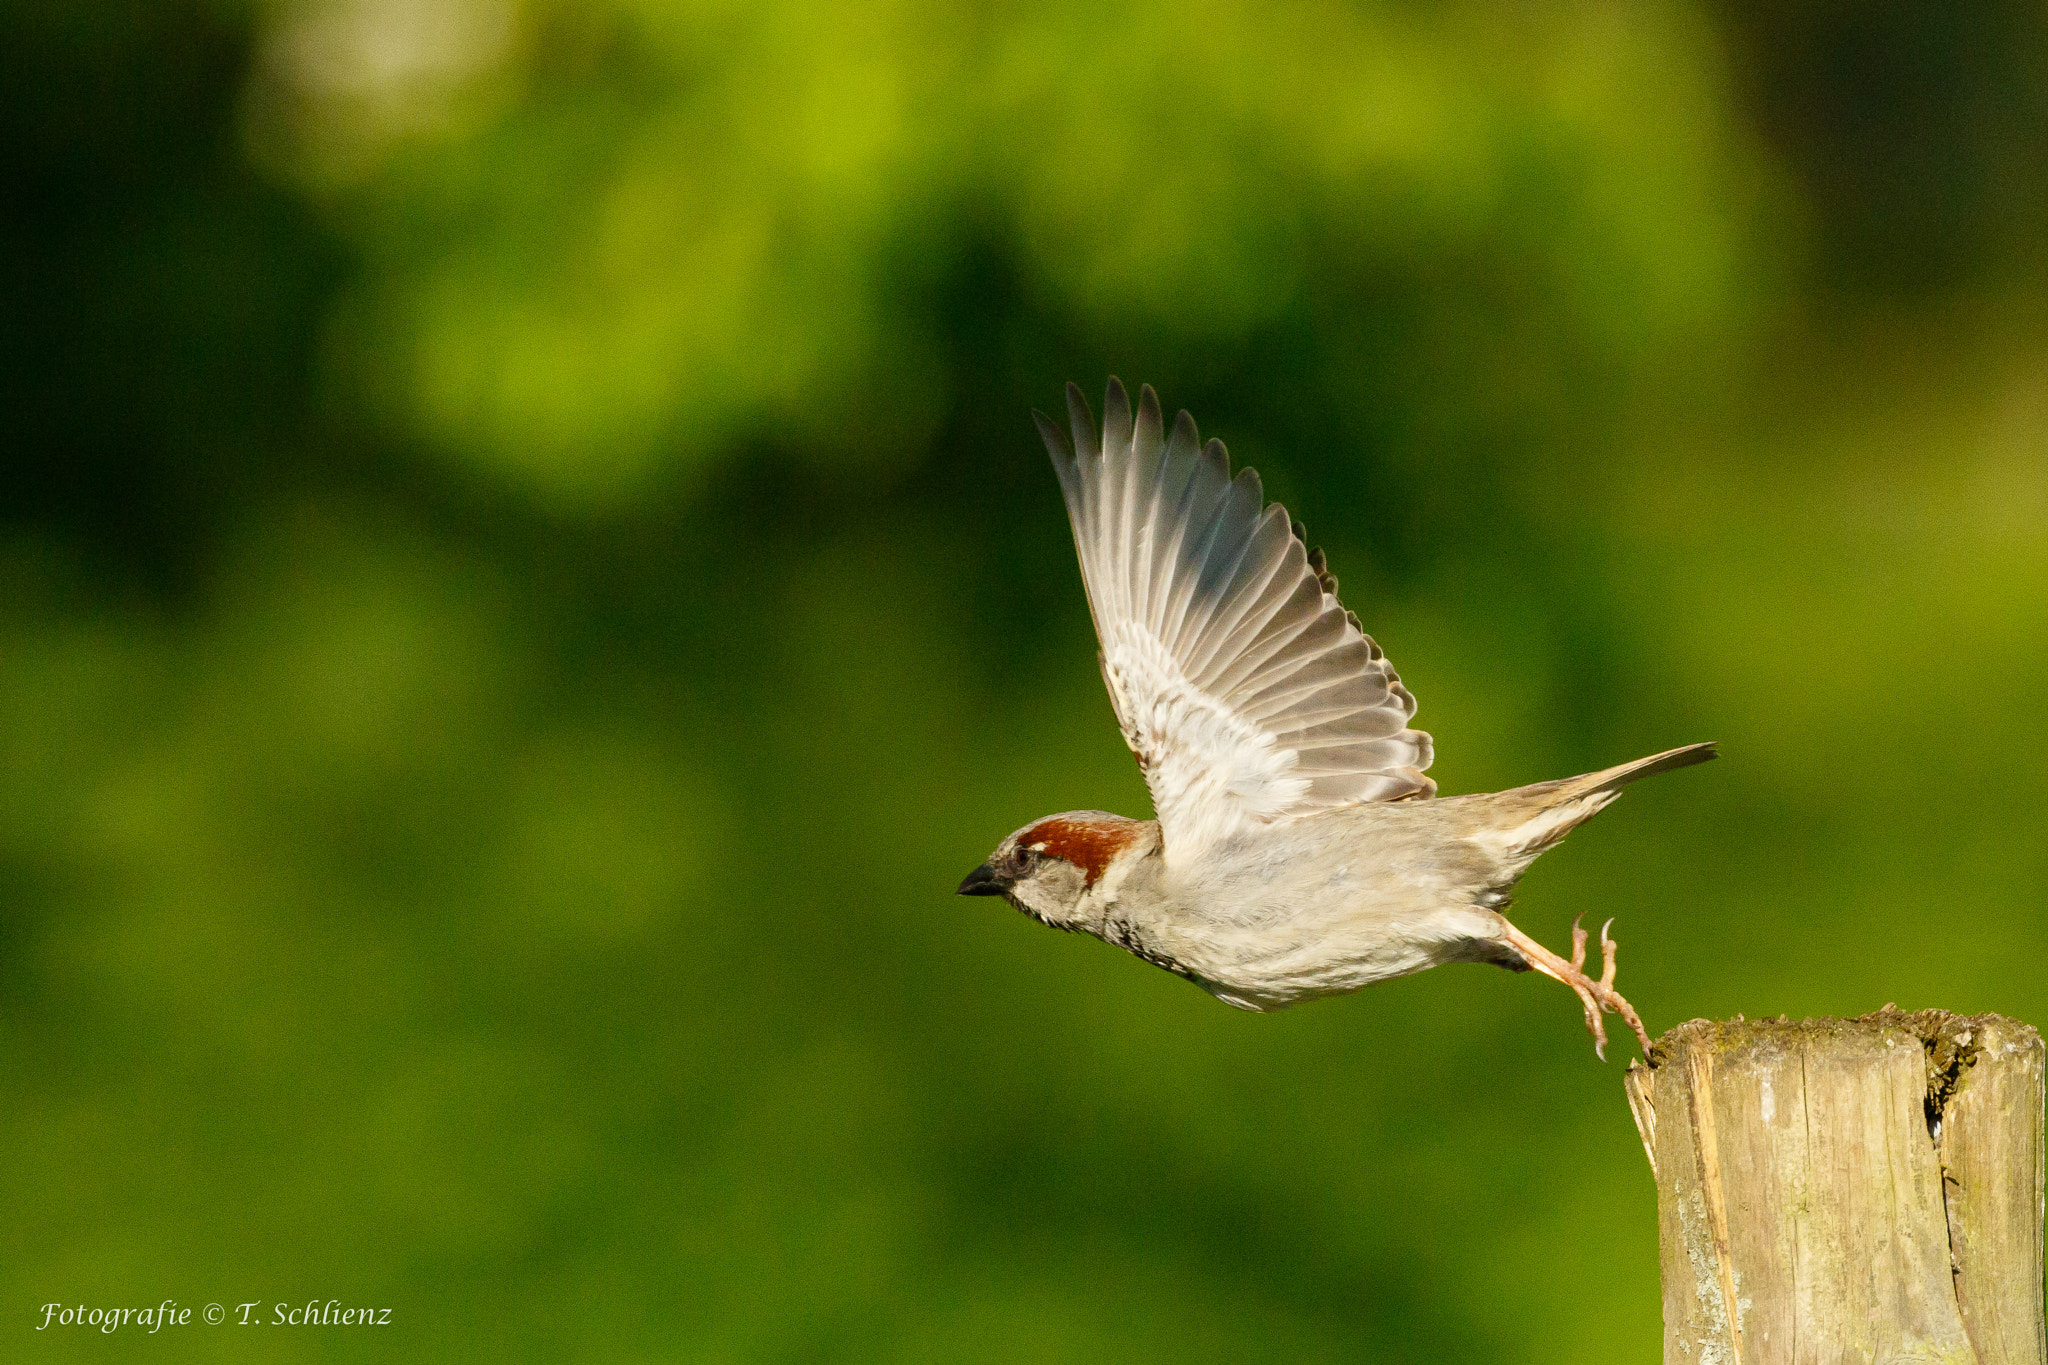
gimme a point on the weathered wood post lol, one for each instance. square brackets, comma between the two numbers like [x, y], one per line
[1837, 1190]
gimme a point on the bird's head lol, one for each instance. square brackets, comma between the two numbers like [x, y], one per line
[1057, 869]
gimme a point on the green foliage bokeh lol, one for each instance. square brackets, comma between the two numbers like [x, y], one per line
[526, 578]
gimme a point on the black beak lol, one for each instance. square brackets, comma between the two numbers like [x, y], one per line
[983, 881]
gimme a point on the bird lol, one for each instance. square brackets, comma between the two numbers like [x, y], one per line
[1298, 848]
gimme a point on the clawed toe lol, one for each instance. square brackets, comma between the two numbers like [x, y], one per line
[1596, 996]
[1610, 997]
[1593, 1024]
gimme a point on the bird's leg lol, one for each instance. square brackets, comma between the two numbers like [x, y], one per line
[1594, 995]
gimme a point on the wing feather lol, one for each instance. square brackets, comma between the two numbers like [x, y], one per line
[1247, 691]
[1275, 644]
[1209, 491]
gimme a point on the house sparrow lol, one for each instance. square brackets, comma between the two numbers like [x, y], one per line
[1299, 850]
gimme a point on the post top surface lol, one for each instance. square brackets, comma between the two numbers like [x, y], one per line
[1944, 1033]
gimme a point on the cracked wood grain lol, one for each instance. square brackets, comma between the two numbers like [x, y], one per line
[1699, 1077]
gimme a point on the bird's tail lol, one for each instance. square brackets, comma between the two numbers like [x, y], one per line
[1534, 818]
[1615, 778]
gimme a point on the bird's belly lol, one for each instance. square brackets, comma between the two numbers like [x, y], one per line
[1329, 937]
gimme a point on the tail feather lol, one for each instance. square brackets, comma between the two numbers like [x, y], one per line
[1536, 817]
[1614, 779]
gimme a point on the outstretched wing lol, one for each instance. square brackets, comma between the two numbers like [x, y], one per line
[1246, 690]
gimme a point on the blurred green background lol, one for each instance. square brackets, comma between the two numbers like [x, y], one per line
[526, 577]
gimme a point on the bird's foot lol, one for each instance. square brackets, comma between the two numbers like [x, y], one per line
[1597, 996]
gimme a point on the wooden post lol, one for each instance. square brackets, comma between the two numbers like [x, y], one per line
[1836, 1190]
